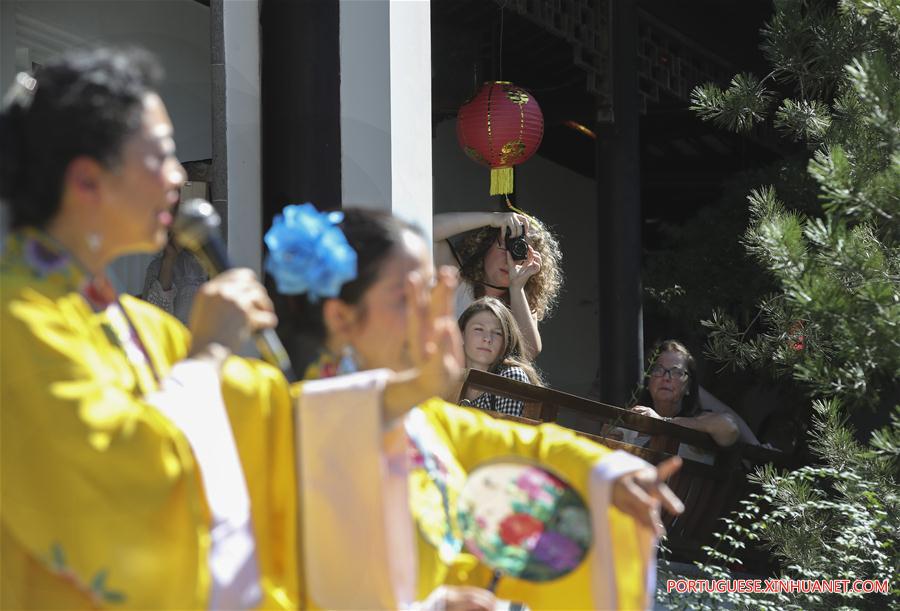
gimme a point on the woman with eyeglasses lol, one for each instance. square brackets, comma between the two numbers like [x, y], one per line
[529, 286]
[672, 392]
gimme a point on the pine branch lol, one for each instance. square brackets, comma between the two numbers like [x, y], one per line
[739, 108]
[804, 120]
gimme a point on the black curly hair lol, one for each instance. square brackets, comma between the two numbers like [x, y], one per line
[83, 103]
[374, 235]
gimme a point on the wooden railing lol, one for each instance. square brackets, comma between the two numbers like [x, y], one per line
[709, 491]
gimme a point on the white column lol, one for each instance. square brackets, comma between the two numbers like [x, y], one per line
[7, 74]
[385, 48]
[7, 43]
[242, 131]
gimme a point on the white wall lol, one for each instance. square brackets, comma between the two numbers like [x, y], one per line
[566, 202]
[242, 114]
[176, 31]
[411, 154]
[386, 156]
[365, 48]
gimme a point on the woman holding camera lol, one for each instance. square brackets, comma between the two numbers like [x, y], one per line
[508, 256]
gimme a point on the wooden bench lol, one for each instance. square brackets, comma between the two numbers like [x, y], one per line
[709, 491]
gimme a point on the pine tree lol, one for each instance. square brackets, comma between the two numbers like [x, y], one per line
[832, 325]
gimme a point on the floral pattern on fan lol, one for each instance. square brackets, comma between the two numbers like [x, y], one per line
[523, 521]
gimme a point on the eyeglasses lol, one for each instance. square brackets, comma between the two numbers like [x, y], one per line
[675, 373]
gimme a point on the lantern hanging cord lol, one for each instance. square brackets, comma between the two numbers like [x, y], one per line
[509, 205]
[500, 62]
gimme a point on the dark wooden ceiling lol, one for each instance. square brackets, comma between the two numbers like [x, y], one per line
[683, 160]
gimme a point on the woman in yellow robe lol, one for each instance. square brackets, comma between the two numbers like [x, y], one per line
[369, 326]
[102, 499]
[122, 483]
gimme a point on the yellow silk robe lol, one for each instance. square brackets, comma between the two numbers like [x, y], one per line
[472, 437]
[101, 501]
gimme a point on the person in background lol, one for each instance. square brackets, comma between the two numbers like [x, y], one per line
[492, 342]
[173, 278]
[672, 393]
[529, 287]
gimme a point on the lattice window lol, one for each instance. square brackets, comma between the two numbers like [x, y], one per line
[667, 61]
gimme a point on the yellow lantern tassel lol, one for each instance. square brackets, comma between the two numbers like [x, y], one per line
[501, 181]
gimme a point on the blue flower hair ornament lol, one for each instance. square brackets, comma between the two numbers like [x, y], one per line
[308, 253]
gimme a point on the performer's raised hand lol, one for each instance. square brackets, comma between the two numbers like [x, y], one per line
[433, 341]
[641, 493]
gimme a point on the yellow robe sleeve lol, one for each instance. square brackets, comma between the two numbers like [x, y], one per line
[73, 429]
[474, 437]
[259, 406]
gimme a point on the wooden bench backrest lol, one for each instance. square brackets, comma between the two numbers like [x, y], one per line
[544, 404]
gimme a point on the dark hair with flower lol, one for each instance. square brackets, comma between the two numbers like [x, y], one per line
[373, 235]
[308, 253]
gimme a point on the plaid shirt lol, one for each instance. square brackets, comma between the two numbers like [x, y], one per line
[503, 405]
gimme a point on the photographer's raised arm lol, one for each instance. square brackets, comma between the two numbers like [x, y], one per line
[449, 224]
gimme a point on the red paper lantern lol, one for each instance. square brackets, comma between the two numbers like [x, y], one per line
[500, 127]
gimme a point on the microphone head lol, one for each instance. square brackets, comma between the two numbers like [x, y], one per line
[195, 224]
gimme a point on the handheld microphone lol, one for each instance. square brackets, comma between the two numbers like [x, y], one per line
[196, 228]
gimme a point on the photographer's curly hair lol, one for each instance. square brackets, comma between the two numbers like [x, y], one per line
[542, 289]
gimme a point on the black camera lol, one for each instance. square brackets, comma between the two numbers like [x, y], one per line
[517, 246]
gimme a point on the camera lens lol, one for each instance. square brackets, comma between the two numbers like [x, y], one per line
[517, 246]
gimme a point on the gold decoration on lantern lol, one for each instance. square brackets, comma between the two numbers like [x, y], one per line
[511, 151]
[474, 155]
[517, 96]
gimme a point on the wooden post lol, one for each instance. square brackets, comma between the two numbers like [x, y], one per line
[620, 350]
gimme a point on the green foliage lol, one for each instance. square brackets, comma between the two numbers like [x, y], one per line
[738, 108]
[831, 323]
[804, 120]
[840, 520]
[834, 324]
[706, 252]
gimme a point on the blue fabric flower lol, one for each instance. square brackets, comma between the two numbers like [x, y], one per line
[308, 253]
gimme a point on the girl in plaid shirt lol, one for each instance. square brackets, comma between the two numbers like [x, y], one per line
[493, 342]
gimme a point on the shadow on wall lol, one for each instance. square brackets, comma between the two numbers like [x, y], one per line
[566, 202]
